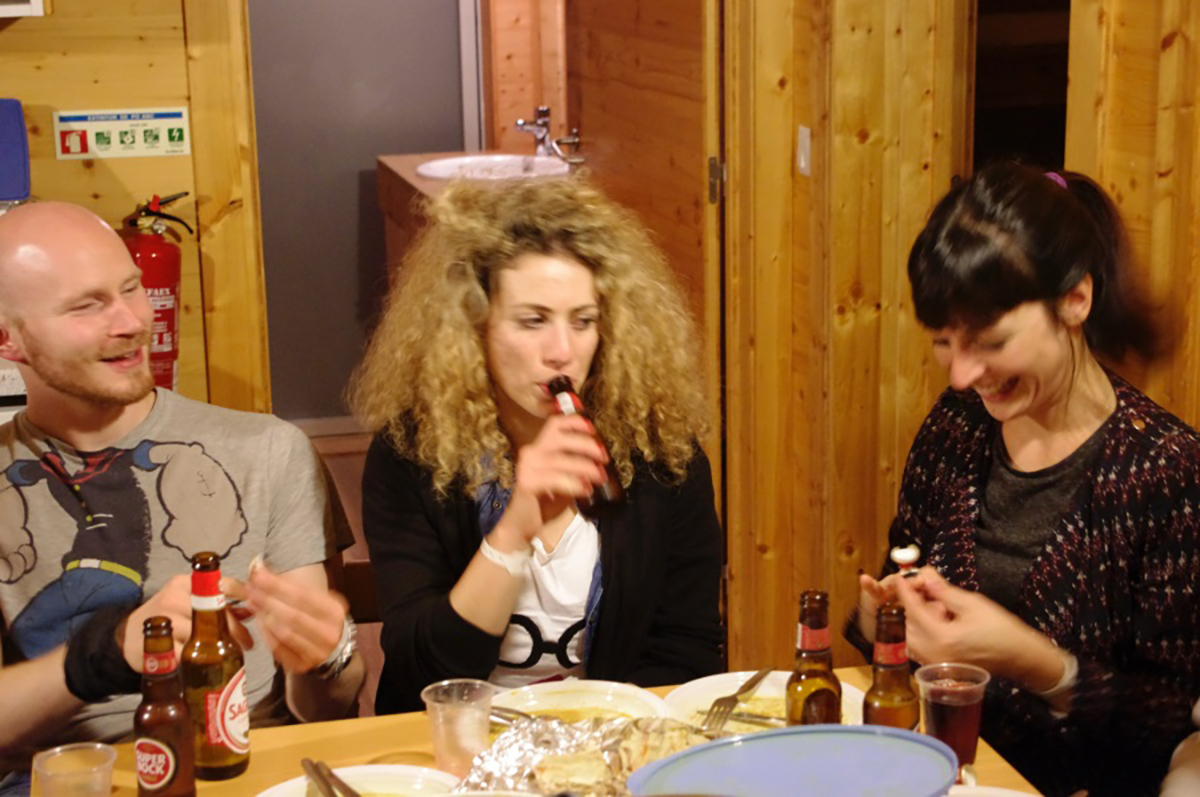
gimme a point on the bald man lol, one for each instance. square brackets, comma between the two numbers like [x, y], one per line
[108, 487]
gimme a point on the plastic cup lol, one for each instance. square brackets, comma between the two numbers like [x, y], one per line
[459, 711]
[75, 770]
[952, 704]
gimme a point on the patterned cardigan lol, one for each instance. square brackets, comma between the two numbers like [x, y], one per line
[1115, 584]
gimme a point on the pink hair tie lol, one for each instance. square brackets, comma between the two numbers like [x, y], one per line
[1058, 178]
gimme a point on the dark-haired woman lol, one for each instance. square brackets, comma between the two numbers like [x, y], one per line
[1056, 506]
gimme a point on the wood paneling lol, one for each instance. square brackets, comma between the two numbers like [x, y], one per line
[642, 80]
[95, 55]
[829, 374]
[525, 66]
[1131, 126]
[225, 153]
[775, 328]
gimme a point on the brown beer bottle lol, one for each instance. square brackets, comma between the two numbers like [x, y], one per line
[891, 700]
[214, 679]
[814, 693]
[162, 725]
[567, 402]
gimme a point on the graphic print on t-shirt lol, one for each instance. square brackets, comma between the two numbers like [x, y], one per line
[107, 561]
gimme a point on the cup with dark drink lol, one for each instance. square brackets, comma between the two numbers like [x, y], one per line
[952, 703]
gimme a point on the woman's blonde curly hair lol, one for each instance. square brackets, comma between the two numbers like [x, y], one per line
[424, 381]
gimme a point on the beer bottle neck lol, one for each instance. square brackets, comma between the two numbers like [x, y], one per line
[814, 659]
[209, 624]
[892, 679]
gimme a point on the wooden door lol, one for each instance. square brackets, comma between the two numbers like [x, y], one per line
[829, 374]
[643, 90]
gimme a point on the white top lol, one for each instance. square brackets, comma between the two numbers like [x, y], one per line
[552, 605]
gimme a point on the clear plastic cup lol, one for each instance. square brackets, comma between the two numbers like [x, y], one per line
[75, 770]
[459, 711]
[952, 704]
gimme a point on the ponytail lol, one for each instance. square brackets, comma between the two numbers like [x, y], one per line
[1121, 320]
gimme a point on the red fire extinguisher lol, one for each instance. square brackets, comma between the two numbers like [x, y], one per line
[159, 259]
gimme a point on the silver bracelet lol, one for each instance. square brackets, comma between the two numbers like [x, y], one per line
[1069, 677]
[339, 659]
[515, 563]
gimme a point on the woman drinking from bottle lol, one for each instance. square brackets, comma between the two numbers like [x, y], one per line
[485, 566]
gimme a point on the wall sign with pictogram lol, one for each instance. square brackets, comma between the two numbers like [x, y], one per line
[133, 133]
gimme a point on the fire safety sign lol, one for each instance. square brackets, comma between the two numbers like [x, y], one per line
[137, 133]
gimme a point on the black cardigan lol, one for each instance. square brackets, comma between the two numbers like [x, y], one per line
[1115, 584]
[661, 553]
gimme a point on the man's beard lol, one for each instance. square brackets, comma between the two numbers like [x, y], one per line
[74, 376]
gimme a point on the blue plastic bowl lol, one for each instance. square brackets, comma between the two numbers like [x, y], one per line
[816, 760]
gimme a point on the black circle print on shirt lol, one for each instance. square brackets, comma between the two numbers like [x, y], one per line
[540, 647]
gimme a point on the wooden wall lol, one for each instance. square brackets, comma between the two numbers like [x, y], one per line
[524, 67]
[1131, 125]
[100, 54]
[828, 372]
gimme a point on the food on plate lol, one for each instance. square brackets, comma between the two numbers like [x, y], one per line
[572, 771]
[580, 714]
[770, 707]
[602, 770]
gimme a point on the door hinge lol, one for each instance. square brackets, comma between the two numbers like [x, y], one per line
[716, 180]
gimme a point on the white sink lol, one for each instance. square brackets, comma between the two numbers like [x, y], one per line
[493, 167]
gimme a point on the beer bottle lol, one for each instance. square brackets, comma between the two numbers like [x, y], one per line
[567, 402]
[214, 679]
[891, 699]
[162, 725]
[814, 693]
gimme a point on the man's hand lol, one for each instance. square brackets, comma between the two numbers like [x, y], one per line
[174, 601]
[301, 625]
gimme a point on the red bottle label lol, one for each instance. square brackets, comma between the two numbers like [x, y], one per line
[891, 653]
[227, 720]
[155, 763]
[811, 638]
[158, 663]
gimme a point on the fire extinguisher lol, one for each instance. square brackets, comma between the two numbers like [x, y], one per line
[159, 259]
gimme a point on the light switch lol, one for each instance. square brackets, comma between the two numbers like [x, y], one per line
[804, 151]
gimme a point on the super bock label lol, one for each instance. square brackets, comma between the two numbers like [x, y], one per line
[155, 763]
[228, 715]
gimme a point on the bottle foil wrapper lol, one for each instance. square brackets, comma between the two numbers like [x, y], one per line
[590, 758]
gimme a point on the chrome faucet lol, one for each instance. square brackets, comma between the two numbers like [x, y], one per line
[540, 128]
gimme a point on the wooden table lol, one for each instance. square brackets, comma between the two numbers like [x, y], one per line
[275, 753]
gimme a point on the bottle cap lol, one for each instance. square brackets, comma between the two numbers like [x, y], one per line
[905, 558]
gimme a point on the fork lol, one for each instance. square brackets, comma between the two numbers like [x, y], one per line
[722, 707]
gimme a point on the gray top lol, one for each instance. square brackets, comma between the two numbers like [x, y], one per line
[83, 530]
[1020, 510]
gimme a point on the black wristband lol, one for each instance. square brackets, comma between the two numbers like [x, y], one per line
[95, 666]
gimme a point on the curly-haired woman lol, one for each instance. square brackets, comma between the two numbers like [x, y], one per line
[485, 569]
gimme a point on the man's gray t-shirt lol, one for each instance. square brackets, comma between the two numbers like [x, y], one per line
[80, 531]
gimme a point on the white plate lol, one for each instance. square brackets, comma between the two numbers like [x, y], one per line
[394, 780]
[984, 791]
[699, 694]
[632, 701]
